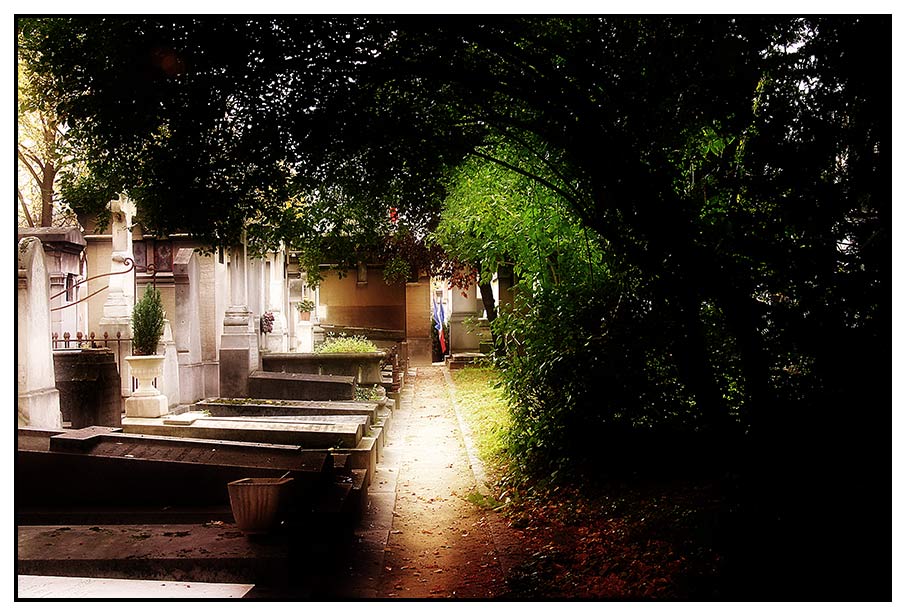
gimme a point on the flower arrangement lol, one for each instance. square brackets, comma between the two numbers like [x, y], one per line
[267, 322]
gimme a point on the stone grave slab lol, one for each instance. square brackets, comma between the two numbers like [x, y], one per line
[253, 430]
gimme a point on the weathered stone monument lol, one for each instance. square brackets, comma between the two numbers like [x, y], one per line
[464, 312]
[63, 248]
[117, 319]
[186, 331]
[168, 383]
[418, 322]
[277, 340]
[239, 344]
[38, 401]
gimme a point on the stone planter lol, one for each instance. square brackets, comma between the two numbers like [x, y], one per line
[146, 401]
[256, 502]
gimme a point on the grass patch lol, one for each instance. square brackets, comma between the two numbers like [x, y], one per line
[484, 408]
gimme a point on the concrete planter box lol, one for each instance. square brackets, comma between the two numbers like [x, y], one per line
[256, 502]
[365, 368]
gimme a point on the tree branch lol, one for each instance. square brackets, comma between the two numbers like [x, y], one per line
[570, 198]
[31, 221]
[28, 165]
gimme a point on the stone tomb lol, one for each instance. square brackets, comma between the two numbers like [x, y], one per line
[97, 467]
[288, 431]
[364, 367]
[285, 386]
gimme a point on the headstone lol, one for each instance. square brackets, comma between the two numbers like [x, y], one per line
[38, 401]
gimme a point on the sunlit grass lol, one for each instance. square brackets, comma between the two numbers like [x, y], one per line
[484, 408]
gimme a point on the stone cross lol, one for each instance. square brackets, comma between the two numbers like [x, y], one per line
[38, 401]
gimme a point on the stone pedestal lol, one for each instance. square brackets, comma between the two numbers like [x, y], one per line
[276, 341]
[38, 401]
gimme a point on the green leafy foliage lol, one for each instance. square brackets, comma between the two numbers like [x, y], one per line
[147, 322]
[341, 343]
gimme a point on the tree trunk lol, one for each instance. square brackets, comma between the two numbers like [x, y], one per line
[487, 299]
[49, 172]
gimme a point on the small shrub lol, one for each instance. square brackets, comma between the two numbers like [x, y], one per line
[346, 344]
[147, 322]
[366, 394]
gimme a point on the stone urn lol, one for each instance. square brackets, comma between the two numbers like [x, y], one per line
[146, 401]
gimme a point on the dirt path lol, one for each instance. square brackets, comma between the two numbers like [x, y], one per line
[439, 545]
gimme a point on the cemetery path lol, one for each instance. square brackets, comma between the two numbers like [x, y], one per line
[440, 545]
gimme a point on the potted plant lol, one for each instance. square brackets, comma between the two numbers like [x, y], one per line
[256, 502]
[145, 364]
[305, 307]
